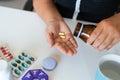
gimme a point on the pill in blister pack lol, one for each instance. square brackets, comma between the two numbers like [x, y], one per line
[5, 53]
[21, 63]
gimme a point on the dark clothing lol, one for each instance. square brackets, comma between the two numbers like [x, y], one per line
[28, 5]
[90, 10]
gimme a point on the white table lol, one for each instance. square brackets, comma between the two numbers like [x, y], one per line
[24, 31]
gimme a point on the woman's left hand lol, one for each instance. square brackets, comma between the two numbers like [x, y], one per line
[106, 34]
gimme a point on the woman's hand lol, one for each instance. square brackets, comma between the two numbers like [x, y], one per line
[106, 34]
[65, 44]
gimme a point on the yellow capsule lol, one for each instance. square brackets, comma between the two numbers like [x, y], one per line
[61, 34]
[63, 37]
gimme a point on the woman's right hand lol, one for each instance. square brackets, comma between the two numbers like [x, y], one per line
[66, 45]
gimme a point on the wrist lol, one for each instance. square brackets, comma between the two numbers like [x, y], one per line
[54, 20]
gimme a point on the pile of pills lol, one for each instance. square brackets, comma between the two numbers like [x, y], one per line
[21, 63]
[5, 53]
[35, 74]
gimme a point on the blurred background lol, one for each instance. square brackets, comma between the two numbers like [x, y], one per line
[18, 4]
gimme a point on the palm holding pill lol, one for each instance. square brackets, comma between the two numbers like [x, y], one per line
[59, 36]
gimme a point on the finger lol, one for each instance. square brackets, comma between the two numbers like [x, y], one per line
[100, 39]
[72, 40]
[105, 43]
[50, 38]
[66, 48]
[61, 47]
[71, 47]
[109, 47]
[94, 34]
[112, 44]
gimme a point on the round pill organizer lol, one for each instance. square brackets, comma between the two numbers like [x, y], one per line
[49, 63]
[21, 63]
[35, 74]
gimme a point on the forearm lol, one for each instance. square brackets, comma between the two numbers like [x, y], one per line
[115, 18]
[46, 10]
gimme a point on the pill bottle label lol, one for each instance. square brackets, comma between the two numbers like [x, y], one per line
[83, 31]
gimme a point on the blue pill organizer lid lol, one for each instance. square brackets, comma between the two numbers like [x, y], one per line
[49, 63]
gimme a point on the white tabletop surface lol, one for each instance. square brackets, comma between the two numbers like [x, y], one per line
[24, 31]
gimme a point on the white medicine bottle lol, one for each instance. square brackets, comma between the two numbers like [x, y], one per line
[5, 71]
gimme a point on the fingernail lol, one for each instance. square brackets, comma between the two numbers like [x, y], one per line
[76, 46]
[100, 48]
[94, 46]
[71, 54]
[88, 43]
[50, 45]
[107, 48]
